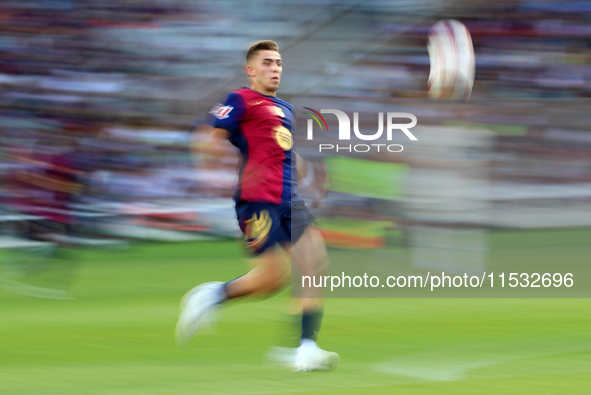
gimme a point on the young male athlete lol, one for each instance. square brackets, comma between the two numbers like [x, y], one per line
[269, 208]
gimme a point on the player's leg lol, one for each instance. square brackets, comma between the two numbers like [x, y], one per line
[261, 224]
[269, 273]
[198, 307]
[309, 258]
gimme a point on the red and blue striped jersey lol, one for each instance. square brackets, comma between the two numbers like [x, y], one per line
[261, 127]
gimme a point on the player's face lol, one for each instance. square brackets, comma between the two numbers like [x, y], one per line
[265, 71]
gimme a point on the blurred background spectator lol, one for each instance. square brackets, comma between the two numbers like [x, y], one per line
[118, 86]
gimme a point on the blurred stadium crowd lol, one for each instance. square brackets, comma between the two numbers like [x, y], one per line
[99, 98]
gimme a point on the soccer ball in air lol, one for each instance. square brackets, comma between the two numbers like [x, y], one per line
[452, 61]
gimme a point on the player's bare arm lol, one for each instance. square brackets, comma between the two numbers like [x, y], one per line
[218, 143]
[210, 142]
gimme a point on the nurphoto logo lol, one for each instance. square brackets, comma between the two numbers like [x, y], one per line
[345, 130]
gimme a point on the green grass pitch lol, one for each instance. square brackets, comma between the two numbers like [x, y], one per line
[116, 337]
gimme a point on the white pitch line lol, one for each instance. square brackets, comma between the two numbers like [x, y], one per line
[456, 363]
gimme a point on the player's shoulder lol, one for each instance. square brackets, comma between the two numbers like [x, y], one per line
[234, 103]
[238, 95]
[249, 97]
[279, 100]
[245, 93]
[286, 105]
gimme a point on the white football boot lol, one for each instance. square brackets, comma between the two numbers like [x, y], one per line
[311, 357]
[198, 310]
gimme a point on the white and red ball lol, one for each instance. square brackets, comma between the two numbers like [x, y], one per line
[452, 61]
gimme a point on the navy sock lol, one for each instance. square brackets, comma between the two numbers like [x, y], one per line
[223, 296]
[311, 322]
[223, 293]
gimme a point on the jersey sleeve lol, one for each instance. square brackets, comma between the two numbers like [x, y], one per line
[229, 115]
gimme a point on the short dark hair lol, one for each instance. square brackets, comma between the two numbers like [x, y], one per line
[266, 45]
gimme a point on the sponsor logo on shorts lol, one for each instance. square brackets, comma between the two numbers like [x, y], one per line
[257, 230]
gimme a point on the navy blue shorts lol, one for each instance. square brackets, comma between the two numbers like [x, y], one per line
[267, 224]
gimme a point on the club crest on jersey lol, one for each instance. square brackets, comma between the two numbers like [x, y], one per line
[221, 112]
[283, 137]
[277, 111]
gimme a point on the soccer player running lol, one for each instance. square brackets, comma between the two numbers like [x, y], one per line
[270, 211]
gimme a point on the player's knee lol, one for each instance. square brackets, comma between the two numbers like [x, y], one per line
[316, 239]
[318, 255]
[278, 281]
[274, 279]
